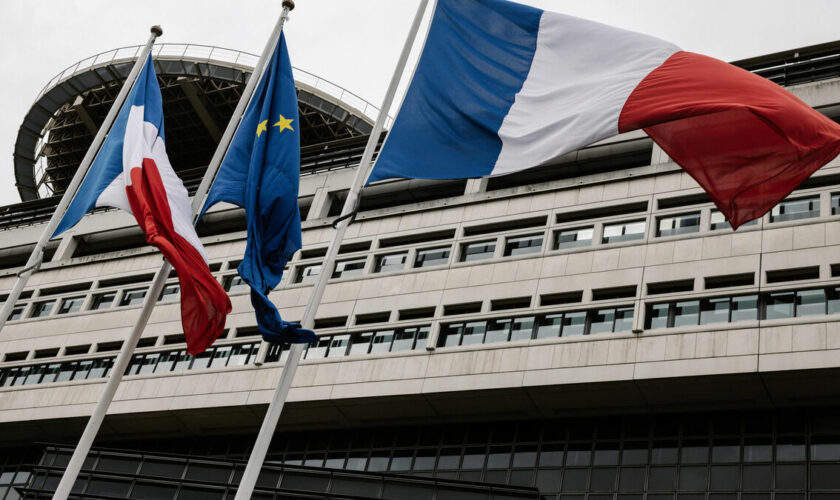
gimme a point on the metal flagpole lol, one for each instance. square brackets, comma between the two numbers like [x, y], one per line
[255, 461]
[38, 252]
[124, 357]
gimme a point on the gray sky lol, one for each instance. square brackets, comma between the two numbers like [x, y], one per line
[352, 44]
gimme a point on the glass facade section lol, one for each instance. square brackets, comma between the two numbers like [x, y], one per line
[521, 245]
[71, 305]
[624, 231]
[679, 224]
[432, 257]
[133, 297]
[802, 208]
[170, 292]
[42, 309]
[17, 312]
[390, 262]
[478, 250]
[718, 221]
[349, 268]
[573, 238]
[102, 300]
[308, 274]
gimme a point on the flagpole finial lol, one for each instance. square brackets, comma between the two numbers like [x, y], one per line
[157, 30]
[289, 4]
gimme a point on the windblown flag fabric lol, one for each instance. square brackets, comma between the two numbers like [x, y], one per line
[501, 87]
[132, 172]
[260, 173]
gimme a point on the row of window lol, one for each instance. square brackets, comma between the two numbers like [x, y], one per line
[155, 362]
[368, 342]
[102, 300]
[566, 324]
[731, 309]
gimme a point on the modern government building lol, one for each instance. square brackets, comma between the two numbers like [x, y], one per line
[588, 330]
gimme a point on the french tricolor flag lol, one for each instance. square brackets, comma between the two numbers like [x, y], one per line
[501, 87]
[132, 172]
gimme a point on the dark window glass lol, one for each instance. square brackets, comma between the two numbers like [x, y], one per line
[450, 335]
[71, 305]
[694, 452]
[687, 313]
[574, 323]
[498, 330]
[520, 245]
[390, 262]
[522, 328]
[578, 454]
[724, 478]
[632, 479]
[551, 455]
[498, 457]
[657, 316]
[745, 308]
[170, 292]
[679, 224]
[605, 454]
[102, 300]
[133, 297]
[349, 268]
[634, 453]
[572, 238]
[757, 477]
[623, 319]
[624, 231]
[360, 343]
[478, 250]
[308, 274]
[692, 478]
[790, 477]
[602, 480]
[382, 341]
[42, 309]
[403, 339]
[473, 333]
[835, 204]
[663, 452]
[574, 480]
[17, 312]
[602, 321]
[235, 284]
[825, 476]
[802, 208]
[338, 345]
[810, 302]
[662, 478]
[790, 449]
[825, 448]
[714, 311]
[432, 257]
[550, 326]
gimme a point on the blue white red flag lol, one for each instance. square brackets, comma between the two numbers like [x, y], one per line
[132, 172]
[260, 173]
[501, 87]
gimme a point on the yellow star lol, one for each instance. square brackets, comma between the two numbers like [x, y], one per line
[262, 127]
[284, 124]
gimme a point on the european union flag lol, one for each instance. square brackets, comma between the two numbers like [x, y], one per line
[260, 173]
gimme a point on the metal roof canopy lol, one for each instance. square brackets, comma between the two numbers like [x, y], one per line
[200, 85]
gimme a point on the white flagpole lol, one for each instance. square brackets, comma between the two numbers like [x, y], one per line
[124, 357]
[272, 417]
[38, 252]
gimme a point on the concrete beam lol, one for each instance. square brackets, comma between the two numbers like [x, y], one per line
[82, 113]
[192, 93]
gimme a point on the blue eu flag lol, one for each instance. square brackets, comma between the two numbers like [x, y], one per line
[260, 173]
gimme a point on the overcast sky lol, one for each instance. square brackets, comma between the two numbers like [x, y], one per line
[353, 44]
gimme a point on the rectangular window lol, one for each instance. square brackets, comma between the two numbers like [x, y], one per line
[404, 340]
[835, 204]
[574, 323]
[498, 330]
[478, 250]
[318, 349]
[133, 297]
[522, 328]
[550, 326]
[810, 302]
[602, 321]
[102, 300]
[234, 284]
[338, 345]
[308, 274]
[42, 309]
[833, 300]
[71, 305]
[744, 308]
[802, 208]
[679, 224]
[390, 262]
[99, 368]
[473, 333]
[148, 364]
[382, 341]
[170, 292]
[240, 354]
[686, 313]
[220, 356]
[432, 257]
[573, 238]
[623, 319]
[17, 312]
[714, 311]
[718, 221]
[360, 343]
[349, 268]
[521, 245]
[779, 305]
[624, 231]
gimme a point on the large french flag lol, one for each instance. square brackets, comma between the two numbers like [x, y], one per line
[132, 172]
[501, 87]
